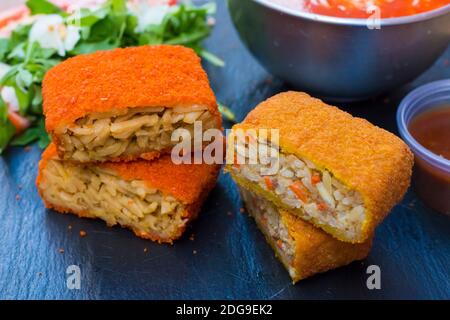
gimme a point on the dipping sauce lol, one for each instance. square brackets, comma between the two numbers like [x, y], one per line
[432, 130]
[363, 8]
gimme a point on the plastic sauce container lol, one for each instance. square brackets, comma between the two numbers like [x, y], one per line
[431, 177]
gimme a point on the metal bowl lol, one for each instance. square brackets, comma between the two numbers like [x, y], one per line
[338, 58]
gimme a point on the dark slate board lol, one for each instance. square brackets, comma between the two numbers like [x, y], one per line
[232, 259]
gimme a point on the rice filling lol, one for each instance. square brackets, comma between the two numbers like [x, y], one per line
[129, 132]
[269, 220]
[303, 187]
[101, 193]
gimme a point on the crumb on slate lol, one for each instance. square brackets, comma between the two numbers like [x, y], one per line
[194, 252]
[192, 237]
[83, 233]
[145, 250]
[241, 210]
[17, 197]
[61, 250]
[69, 227]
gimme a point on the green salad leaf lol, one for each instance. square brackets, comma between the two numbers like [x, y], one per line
[227, 113]
[43, 7]
[36, 133]
[112, 25]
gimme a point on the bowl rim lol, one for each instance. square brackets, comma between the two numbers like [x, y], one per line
[419, 150]
[355, 21]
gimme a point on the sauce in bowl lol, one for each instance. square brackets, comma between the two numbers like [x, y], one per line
[363, 8]
[432, 130]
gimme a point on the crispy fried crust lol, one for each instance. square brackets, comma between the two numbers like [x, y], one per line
[317, 251]
[364, 157]
[146, 76]
[189, 184]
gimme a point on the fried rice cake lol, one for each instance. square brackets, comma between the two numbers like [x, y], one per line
[155, 199]
[338, 172]
[124, 104]
[302, 248]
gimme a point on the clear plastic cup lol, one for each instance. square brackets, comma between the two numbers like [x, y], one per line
[431, 176]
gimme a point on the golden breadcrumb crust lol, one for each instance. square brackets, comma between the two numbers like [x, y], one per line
[364, 157]
[189, 184]
[146, 76]
[317, 251]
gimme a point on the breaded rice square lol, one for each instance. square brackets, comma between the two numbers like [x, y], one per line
[125, 104]
[155, 199]
[338, 172]
[302, 248]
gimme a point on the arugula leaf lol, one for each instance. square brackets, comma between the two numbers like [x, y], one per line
[7, 131]
[85, 18]
[3, 111]
[227, 113]
[32, 134]
[36, 102]
[43, 7]
[119, 6]
[24, 78]
[186, 26]
[89, 47]
[4, 48]
[211, 58]
[24, 99]
[19, 35]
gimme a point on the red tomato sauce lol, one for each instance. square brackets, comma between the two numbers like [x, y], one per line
[364, 8]
[432, 130]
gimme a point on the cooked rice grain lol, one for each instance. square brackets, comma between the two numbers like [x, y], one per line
[128, 133]
[100, 193]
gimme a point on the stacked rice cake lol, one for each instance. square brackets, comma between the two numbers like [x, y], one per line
[124, 104]
[111, 115]
[339, 173]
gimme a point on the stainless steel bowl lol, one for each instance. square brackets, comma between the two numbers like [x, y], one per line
[339, 58]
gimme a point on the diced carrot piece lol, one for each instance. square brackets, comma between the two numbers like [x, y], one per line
[299, 190]
[280, 244]
[322, 206]
[18, 121]
[269, 183]
[315, 179]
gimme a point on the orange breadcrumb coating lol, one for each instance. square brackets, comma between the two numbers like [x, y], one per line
[364, 157]
[146, 76]
[185, 182]
[188, 183]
